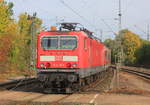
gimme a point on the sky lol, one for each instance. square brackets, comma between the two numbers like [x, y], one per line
[93, 14]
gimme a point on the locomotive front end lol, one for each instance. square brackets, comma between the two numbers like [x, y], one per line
[57, 51]
[70, 59]
[57, 59]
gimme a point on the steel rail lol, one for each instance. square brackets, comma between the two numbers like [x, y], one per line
[142, 74]
[16, 83]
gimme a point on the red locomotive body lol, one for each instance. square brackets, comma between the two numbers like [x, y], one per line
[69, 56]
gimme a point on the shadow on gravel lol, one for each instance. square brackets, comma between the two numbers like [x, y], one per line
[34, 88]
[28, 88]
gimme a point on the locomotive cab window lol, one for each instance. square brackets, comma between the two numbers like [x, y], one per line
[49, 42]
[68, 42]
[59, 42]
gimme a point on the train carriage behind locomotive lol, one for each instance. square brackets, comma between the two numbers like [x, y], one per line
[64, 57]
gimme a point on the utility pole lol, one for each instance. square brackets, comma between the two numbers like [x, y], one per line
[148, 32]
[33, 43]
[120, 16]
[119, 58]
[56, 20]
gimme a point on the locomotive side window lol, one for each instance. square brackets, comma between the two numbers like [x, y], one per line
[59, 42]
[85, 43]
[107, 55]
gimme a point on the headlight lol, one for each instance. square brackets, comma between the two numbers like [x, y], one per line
[42, 65]
[74, 65]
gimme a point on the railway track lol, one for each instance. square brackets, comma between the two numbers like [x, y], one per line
[27, 83]
[142, 74]
[139, 73]
[17, 83]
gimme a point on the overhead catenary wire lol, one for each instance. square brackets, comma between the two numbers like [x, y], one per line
[130, 2]
[80, 15]
[137, 27]
[75, 12]
[109, 27]
[145, 32]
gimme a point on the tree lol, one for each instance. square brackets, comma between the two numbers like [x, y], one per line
[5, 15]
[111, 45]
[15, 38]
[5, 47]
[131, 42]
[25, 24]
[143, 54]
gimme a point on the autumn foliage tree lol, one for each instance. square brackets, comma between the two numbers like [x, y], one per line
[5, 15]
[15, 38]
[131, 42]
[7, 24]
[136, 50]
[5, 47]
[25, 24]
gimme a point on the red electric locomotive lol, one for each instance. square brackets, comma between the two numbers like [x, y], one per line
[69, 58]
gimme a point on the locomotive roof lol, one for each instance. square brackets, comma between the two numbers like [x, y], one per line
[88, 34]
[73, 27]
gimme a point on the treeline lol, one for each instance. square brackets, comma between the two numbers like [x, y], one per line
[15, 38]
[136, 51]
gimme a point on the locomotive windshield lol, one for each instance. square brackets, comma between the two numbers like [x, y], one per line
[59, 42]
